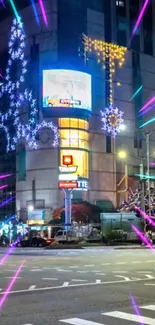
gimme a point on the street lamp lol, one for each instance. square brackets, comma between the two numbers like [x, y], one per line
[122, 154]
[30, 208]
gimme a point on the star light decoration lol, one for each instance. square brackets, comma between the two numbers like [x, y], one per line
[112, 119]
[18, 96]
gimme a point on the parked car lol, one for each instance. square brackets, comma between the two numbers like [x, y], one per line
[35, 242]
[66, 236]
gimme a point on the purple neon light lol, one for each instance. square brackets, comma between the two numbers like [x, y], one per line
[140, 17]
[4, 176]
[152, 164]
[146, 216]
[1, 76]
[135, 307]
[2, 300]
[43, 12]
[2, 2]
[7, 201]
[148, 103]
[144, 240]
[3, 186]
[148, 108]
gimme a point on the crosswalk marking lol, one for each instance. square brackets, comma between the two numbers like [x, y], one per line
[130, 317]
[79, 321]
[149, 307]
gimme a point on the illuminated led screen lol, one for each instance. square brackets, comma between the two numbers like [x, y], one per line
[66, 88]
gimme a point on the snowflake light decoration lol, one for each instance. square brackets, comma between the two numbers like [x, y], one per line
[112, 119]
[16, 96]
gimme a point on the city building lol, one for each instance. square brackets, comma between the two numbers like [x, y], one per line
[59, 45]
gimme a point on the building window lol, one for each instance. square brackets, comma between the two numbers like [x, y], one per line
[73, 123]
[80, 159]
[119, 3]
[74, 139]
[108, 144]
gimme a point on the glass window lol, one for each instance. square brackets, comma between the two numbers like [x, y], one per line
[73, 123]
[74, 138]
[80, 159]
[108, 144]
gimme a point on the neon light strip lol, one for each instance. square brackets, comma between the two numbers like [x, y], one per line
[7, 201]
[2, 2]
[147, 109]
[145, 176]
[148, 122]
[139, 17]
[136, 93]
[35, 12]
[2, 300]
[14, 9]
[152, 164]
[3, 186]
[3, 176]
[148, 103]
[43, 12]
[146, 216]
[144, 240]
[1, 76]
[135, 307]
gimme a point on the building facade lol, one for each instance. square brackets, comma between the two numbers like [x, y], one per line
[59, 46]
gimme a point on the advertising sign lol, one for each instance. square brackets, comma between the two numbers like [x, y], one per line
[68, 185]
[67, 160]
[66, 88]
[67, 169]
[68, 177]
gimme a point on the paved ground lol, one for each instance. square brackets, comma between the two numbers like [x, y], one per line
[88, 287]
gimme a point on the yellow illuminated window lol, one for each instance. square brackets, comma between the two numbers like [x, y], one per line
[73, 123]
[74, 139]
[80, 159]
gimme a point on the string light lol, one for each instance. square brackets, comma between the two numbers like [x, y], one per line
[17, 96]
[112, 120]
[105, 51]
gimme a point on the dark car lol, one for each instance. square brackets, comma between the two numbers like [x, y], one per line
[34, 242]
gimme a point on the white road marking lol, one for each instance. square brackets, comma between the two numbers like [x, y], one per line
[36, 270]
[78, 280]
[89, 265]
[32, 287]
[74, 267]
[149, 276]
[98, 281]
[136, 262]
[149, 284]
[62, 270]
[74, 285]
[121, 263]
[124, 277]
[98, 273]
[149, 307]
[82, 271]
[150, 261]
[48, 279]
[79, 321]
[65, 284]
[131, 317]
[144, 272]
[119, 271]
[106, 264]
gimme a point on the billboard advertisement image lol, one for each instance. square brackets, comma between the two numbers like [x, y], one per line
[66, 88]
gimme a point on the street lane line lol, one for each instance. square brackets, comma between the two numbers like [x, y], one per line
[106, 264]
[120, 271]
[88, 265]
[37, 270]
[79, 321]
[78, 280]
[32, 287]
[124, 277]
[12, 277]
[121, 263]
[52, 279]
[75, 285]
[149, 307]
[65, 284]
[149, 276]
[131, 317]
[98, 281]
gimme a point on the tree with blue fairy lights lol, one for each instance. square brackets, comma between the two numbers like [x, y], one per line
[20, 121]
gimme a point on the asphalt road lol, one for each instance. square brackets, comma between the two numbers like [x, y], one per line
[88, 287]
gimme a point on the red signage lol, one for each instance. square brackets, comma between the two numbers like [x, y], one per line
[68, 185]
[67, 160]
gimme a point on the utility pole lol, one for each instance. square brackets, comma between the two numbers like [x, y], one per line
[148, 169]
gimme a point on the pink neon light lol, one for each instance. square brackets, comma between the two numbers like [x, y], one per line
[140, 17]
[146, 216]
[3, 176]
[148, 103]
[2, 300]
[3, 186]
[1, 76]
[43, 12]
[144, 240]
